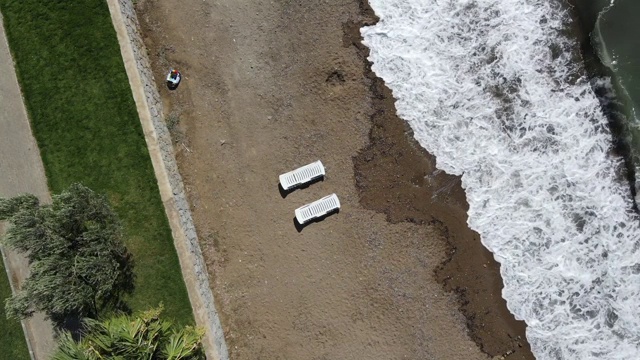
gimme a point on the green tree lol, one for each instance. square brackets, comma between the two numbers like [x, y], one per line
[78, 263]
[141, 337]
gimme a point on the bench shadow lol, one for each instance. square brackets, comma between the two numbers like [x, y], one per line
[284, 193]
[299, 227]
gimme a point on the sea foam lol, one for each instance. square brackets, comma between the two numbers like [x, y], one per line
[491, 88]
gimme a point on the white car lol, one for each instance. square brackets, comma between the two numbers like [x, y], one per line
[173, 79]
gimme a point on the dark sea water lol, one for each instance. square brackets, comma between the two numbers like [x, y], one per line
[612, 50]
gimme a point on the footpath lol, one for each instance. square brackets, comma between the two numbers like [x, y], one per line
[21, 171]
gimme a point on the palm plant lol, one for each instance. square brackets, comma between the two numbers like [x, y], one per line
[141, 337]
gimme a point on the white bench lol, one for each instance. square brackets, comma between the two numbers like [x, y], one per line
[302, 175]
[317, 208]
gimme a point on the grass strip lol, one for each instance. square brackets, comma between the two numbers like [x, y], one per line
[12, 342]
[85, 121]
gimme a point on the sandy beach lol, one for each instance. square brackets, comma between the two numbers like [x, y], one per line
[397, 274]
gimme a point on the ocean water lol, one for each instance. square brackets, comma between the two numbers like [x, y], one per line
[615, 38]
[491, 87]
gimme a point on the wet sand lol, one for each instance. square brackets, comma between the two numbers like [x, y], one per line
[396, 274]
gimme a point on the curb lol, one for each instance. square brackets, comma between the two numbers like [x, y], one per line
[170, 184]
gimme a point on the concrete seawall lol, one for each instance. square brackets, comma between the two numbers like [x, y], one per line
[149, 105]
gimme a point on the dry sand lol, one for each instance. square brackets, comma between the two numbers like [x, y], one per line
[272, 85]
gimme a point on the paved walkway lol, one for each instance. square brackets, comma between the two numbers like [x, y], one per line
[21, 171]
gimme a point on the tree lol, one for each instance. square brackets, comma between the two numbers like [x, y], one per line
[141, 337]
[78, 263]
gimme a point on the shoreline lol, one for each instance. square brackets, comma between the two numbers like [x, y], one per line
[264, 85]
[469, 269]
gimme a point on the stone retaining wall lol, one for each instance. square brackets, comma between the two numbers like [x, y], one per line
[149, 105]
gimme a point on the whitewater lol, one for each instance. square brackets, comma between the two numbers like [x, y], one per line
[492, 89]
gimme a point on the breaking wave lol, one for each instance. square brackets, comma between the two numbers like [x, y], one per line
[492, 88]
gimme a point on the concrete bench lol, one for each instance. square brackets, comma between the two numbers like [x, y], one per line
[302, 175]
[317, 209]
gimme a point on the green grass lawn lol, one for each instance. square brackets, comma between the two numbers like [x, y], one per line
[85, 121]
[12, 342]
